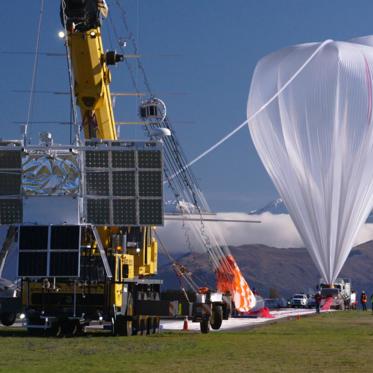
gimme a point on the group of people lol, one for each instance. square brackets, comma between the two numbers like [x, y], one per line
[354, 303]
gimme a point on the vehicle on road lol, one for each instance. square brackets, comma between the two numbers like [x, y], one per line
[299, 300]
[340, 291]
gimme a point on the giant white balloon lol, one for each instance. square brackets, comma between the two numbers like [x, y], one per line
[314, 135]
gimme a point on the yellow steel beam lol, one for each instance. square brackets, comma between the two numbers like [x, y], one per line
[92, 80]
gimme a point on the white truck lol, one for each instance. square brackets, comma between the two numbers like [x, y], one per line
[340, 291]
[299, 300]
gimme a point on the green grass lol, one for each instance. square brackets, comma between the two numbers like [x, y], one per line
[336, 342]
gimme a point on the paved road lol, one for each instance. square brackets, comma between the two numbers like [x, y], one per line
[239, 323]
[231, 324]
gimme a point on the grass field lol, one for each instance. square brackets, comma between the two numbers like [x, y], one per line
[336, 342]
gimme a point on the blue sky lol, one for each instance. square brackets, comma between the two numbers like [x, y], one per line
[205, 49]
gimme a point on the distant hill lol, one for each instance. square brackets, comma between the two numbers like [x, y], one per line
[286, 270]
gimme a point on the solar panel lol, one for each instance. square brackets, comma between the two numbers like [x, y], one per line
[124, 210]
[10, 211]
[33, 251]
[97, 158]
[49, 251]
[10, 183]
[150, 159]
[10, 159]
[123, 159]
[133, 172]
[98, 211]
[97, 183]
[150, 183]
[151, 212]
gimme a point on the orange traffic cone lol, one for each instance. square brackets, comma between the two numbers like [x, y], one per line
[185, 325]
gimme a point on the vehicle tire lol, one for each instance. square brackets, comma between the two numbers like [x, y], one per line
[142, 328]
[129, 315]
[205, 326]
[156, 325]
[149, 325]
[8, 318]
[226, 312]
[69, 328]
[135, 326]
[120, 325]
[216, 316]
[56, 330]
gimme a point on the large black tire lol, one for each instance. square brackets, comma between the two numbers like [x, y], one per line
[227, 311]
[123, 326]
[142, 327]
[205, 326]
[156, 323]
[149, 325]
[8, 318]
[70, 328]
[56, 330]
[129, 316]
[216, 316]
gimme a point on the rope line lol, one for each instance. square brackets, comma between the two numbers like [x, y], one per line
[34, 72]
[230, 134]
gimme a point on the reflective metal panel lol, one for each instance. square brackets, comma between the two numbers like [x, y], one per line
[51, 210]
[50, 173]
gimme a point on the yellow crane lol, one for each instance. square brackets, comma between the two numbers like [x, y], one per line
[84, 214]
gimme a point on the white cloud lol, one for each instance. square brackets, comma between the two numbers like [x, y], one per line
[274, 230]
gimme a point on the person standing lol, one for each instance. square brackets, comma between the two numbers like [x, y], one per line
[318, 299]
[353, 300]
[364, 300]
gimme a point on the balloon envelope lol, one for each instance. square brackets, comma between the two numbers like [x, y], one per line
[315, 139]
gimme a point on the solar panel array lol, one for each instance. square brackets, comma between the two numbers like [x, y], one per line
[123, 183]
[10, 184]
[49, 251]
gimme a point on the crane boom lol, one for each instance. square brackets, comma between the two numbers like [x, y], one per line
[92, 79]
[90, 66]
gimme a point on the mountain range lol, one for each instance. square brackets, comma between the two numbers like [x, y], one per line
[287, 271]
[277, 207]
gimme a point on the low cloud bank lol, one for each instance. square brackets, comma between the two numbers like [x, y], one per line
[274, 230]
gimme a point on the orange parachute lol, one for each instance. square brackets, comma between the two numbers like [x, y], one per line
[230, 279]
